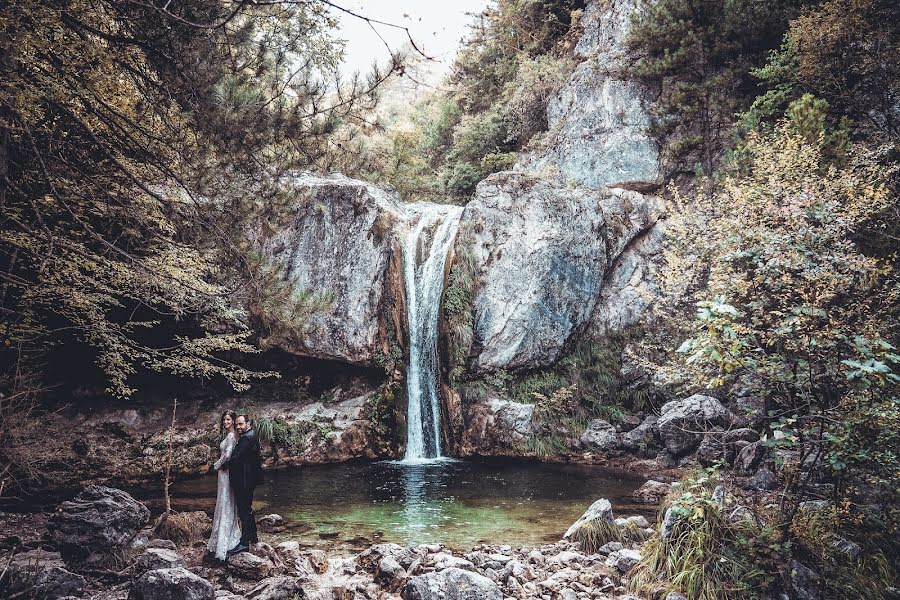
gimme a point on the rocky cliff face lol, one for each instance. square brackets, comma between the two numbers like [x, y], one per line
[598, 119]
[340, 246]
[541, 255]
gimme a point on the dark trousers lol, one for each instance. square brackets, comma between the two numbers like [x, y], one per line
[243, 499]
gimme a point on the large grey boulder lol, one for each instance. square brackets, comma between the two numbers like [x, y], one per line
[99, 519]
[171, 584]
[540, 253]
[641, 437]
[599, 119]
[600, 436]
[157, 558]
[451, 584]
[43, 574]
[495, 424]
[601, 510]
[337, 245]
[683, 423]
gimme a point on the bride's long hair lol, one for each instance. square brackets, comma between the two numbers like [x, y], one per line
[227, 413]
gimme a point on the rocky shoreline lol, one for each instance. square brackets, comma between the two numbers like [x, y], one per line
[102, 544]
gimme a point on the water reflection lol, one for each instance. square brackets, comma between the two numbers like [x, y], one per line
[456, 502]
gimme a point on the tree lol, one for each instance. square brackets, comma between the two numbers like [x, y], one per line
[797, 305]
[700, 54]
[140, 144]
[845, 52]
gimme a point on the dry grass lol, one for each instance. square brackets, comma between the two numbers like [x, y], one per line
[182, 528]
[593, 535]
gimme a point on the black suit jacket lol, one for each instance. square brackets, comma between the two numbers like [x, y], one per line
[245, 465]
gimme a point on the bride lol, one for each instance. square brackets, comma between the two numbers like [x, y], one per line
[226, 531]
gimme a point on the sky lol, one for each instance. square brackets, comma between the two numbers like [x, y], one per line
[435, 26]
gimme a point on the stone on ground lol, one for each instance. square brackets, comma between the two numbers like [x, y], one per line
[683, 423]
[99, 519]
[44, 574]
[451, 584]
[157, 558]
[171, 584]
[601, 510]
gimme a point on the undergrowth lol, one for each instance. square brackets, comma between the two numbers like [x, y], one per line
[583, 385]
[705, 555]
[593, 535]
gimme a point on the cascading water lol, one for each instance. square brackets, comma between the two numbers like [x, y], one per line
[425, 251]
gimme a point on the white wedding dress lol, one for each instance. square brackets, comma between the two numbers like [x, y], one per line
[226, 527]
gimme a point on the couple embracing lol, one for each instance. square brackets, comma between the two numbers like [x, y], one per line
[240, 471]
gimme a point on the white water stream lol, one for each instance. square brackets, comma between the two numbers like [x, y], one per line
[425, 250]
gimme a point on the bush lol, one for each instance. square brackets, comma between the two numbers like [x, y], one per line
[705, 554]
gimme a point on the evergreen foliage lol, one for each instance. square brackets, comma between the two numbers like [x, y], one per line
[701, 54]
[492, 104]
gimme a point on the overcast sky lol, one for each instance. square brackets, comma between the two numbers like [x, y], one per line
[436, 27]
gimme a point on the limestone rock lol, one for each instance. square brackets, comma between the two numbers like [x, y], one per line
[271, 520]
[683, 423]
[748, 458]
[338, 244]
[714, 450]
[371, 558]
[599, 118]
[642, 436]
[247, 565]
[600, 436]
[318, 559]
[763, 479]
[451, 584]
[157, 558]
[601, 510]
[805, 582]
[390, 574]
[609, 547]
[275, 588]
[540, 253]
[494, 423]
[99, 519]
[651, 492]
[44, 574]
[171, 584]
[623, 560]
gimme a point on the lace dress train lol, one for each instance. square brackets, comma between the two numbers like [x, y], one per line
[226, 527]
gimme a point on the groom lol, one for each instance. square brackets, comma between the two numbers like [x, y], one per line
[244, 473]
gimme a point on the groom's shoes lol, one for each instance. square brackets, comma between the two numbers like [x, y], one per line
[238, 549]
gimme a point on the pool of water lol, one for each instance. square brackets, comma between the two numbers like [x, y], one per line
[460, 503]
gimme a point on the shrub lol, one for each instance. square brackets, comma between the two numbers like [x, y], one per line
[593, 535]
[705, 554]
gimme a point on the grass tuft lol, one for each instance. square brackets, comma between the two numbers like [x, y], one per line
[593, 535]
[182, 528]
[704, 556]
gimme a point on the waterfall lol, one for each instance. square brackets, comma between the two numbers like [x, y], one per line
[425, 250]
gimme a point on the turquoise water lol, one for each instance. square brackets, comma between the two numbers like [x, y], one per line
[460, 503]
